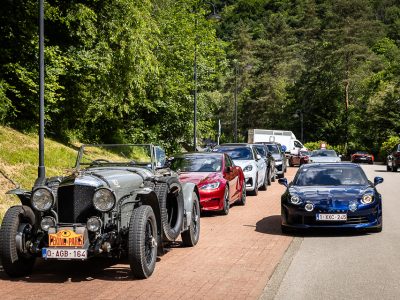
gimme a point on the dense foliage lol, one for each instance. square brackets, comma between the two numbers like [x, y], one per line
[122, 70]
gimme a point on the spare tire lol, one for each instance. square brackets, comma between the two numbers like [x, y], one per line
[170, 197]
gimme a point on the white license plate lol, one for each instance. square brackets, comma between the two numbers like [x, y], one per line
[331, 217]
[64, 253]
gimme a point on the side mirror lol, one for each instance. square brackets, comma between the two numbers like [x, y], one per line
[378, 180]
[228, 169]
[258, 157]
[283, 181]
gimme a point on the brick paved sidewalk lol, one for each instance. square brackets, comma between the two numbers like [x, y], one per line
[234, 259]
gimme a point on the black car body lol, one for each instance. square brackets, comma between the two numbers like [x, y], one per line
[120, 200]
[331, 195]
[279, 156]
[269, 159]
[393, 159]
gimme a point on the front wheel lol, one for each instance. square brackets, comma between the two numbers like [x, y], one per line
[191, 236]
[242, 200]
[225, 209]
[264, 186]
[255, 191]
[15, 233]
[142, 245]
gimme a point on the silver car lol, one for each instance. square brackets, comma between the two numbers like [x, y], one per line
[324, 156]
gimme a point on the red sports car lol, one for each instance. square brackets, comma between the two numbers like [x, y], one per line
[219, 181]
[362, 156]
[302, 158]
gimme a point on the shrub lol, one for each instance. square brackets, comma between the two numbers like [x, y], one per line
[388, 145]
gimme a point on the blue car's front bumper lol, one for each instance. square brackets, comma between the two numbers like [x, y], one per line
[366, 217]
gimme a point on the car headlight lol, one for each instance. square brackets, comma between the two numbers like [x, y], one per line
[366, 199]
[104, 200]
[295, 199]
[42, 199]
[248, 168]
[93, 224]
[210, 186]
[47, 222]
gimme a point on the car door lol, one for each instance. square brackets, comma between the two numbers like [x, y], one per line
[261, 167]
[232, 177]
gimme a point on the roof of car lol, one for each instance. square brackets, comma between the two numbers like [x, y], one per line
[200, 153]
[235, 144]
[336, 164]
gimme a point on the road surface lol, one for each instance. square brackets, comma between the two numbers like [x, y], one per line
[346, 265]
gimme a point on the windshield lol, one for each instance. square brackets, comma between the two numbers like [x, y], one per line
[273, 148]
[321, 176]
[325, 153]
[236, 153]
[197, 163]
[261, 150]
[96, 155]
[304, 153]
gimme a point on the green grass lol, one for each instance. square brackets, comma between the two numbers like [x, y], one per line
[19, 161]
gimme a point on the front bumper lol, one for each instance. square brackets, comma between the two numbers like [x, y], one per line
[279, 168]
[250, 180]
[298, 217]
[212, 199]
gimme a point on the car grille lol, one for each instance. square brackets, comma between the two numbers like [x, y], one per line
[75, 203]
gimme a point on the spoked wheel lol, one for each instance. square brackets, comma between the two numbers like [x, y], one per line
[225, 210]
[191, 236]
[15, 233]
[255, 191]
[142, 246]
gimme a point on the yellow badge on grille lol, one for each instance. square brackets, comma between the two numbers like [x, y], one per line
[65, 238]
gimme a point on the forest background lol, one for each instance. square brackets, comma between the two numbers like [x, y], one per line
[121, 71]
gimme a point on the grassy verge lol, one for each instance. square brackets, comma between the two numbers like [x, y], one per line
[19, 161]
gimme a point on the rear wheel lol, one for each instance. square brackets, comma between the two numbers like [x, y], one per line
[264, 186]
[242, 200]
[225, 210]
[255, 191]
[15, 233]
[394, 169]
[388, 169]
[191, 236]
[142, 245]
[269, 179]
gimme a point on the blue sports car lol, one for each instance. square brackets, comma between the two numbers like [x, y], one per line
[331, 195]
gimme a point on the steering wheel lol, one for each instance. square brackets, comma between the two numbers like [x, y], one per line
[98, 161]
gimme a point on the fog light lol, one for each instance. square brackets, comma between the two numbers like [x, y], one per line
[309, 207]
[353, 206]
[47, 222]
[93, 224]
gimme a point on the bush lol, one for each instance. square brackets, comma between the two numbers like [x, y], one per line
[388, 145]
[316, 145]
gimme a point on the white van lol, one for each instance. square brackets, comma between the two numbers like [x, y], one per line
[284, 137]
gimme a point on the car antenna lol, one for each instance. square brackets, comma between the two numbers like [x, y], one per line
[41, 167]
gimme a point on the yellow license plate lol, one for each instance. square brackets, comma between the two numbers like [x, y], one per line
[65, 238]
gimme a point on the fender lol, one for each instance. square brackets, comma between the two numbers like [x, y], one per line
[188, 189]
[23, 195]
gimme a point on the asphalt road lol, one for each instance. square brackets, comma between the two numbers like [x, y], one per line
[337, 265]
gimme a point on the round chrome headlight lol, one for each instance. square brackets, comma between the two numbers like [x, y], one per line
[93, 224]
[366, 199]
[103, 199]
[47, 222]
[42, 199]
[309, 207]
[295, 199]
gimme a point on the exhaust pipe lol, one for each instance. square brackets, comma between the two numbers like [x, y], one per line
[41, 167]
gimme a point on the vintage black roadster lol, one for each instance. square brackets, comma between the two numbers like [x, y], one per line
[119, 200]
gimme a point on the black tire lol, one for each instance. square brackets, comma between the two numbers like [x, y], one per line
[242, 200]
[388, 169]
[269, 176]
[265, 183]
[191, 236]
[394, 169]
[170, 197]
[287, 230]
[290, 162]
[273, 178]
[225, 209]
[255, 191]
[142, 245]
[15, 263]
[281, 175]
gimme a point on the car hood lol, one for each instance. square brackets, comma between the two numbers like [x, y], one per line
[325, 159]
[200, 177]
[277, 156]
[328, 194]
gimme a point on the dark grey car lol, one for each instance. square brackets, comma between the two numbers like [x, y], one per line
[280, 158]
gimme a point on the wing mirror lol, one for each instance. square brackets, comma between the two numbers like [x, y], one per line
[283, 181]
[378, 180]
[258, 157]
[228, 169]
